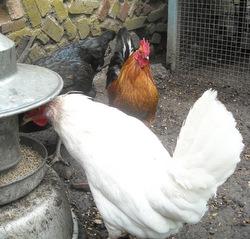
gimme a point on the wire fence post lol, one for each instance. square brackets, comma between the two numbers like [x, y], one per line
[172, 34]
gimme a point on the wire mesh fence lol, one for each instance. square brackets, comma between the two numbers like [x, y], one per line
[213, 37]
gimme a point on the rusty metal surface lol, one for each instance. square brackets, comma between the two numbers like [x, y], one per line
[23, 186]
[44, 213]
[22, 86]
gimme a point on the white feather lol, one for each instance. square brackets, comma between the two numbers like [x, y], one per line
[137, 186]
[130, 47]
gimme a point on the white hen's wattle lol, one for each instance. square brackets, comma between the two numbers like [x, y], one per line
[137, 186]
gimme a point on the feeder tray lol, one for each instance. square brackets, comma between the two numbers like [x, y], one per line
[22, 88]
[23, 185]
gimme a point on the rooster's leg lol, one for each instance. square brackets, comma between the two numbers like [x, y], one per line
[56, 156]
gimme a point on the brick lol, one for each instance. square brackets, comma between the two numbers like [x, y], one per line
[43, 38]
[70, 28]
[157, 14]
[53, 29]
[36, 53]
[103, 10]
[123, 11]
[43, 6]
[135, 22]
[15, 9]
[115, 9]
[83, 27]
[12, 26]
[110, 24]
[33, 12]
[156, 38]
[86, 7]
[61, 11]
[161, 27]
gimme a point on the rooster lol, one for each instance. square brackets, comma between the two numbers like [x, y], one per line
[130, 85]
[108, 143]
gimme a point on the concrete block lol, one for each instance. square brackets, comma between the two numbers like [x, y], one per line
[95, 26]
[43, 38]
[83, 27]
[156, 38]
[110, 24]
[135, 22]
[50, 48]
[86, 7]
[61, 11]
[158, 13]
[12, 26]
[17, 35]
[53, 29]
[43, 6]
[36, 52]
[32, 12]
[70, 28]
[161, 27]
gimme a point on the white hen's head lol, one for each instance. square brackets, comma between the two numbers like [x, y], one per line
[48, 113]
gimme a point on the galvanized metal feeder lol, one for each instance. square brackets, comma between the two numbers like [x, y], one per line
[22, 88]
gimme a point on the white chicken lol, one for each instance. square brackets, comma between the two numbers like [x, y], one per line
[137, 186]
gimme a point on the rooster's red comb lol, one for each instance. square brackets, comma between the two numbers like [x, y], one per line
[145, 47]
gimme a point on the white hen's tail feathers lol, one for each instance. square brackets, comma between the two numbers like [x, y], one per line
[209, 146]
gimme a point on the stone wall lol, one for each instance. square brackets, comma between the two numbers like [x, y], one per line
[54, 23]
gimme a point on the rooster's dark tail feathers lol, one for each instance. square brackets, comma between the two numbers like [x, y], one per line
[124, 47]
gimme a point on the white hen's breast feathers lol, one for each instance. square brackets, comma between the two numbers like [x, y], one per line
[133, 179]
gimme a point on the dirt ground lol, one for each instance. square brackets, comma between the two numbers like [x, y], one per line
[229, 213]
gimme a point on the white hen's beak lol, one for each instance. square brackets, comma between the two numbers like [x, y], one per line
[26, 120]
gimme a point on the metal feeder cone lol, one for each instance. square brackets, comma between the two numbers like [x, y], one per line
[22, 88]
